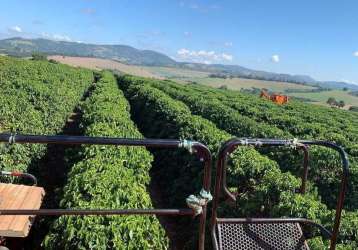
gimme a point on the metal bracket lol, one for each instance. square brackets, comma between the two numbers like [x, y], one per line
[12, 139]
[187, 144]
[196, 202]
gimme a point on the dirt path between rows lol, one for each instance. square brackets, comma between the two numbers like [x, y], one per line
[51, 171]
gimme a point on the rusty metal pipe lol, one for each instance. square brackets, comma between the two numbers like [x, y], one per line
[201, 151]
[232, 144]
[305, 168]
[58, 212]
[73, 140]
[204, 154]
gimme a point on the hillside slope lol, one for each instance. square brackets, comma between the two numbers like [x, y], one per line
[123, 53]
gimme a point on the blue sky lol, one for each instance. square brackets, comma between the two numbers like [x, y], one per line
[317, 38]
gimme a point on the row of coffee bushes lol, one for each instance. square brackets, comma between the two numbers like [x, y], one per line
[293, 113]
[263, 188]
[36, 98]
[209, 106]
[309, 122]
[300, 119]
[108, 177]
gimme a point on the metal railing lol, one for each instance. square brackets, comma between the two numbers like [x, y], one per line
[197, 148]
[220, 184]
[203, 153]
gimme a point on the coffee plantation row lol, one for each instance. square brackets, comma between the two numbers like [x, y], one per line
[271, 191]
[298, 118]
[36, 98]
[108, 177]
[325, 173]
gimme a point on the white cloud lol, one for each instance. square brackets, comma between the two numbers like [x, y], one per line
[355, 53]
[183, 52]
[348, 81]
[228, 44]
[203, 56]
[275, 58]
[226, 57]
[16, 29]
[61, 37]
[57, 37]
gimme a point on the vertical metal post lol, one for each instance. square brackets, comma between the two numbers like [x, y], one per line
[305, 168]
[205, 156]
[224, 151]
[342, 192]
[218, 179]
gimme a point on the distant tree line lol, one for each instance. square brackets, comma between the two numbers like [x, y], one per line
[253, 90]
[265, 77]
[219, 75]
[335, 103]
[37, 56]
[315, 90]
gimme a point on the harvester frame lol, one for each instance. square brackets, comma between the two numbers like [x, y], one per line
[220, 237]
[203, 153]
[197, 148]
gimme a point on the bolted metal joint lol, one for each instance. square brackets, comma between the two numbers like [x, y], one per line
[258, 143]
[12, 139]
[197, 202]
[244, 142]
[187, 144]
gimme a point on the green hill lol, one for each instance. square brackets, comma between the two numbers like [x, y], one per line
[123, 53]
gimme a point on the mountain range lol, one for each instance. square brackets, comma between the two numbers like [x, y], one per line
[18, 46]
[25, 47]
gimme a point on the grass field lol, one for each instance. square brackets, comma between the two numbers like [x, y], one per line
[322, 97]
[176, 73]
[185, 75]
[241, 83]
[97, 63]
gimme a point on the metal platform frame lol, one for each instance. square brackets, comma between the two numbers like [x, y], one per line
[197, 148]
[220, 185]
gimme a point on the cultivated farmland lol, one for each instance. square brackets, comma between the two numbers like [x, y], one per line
[39, 97]
[99, 64]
